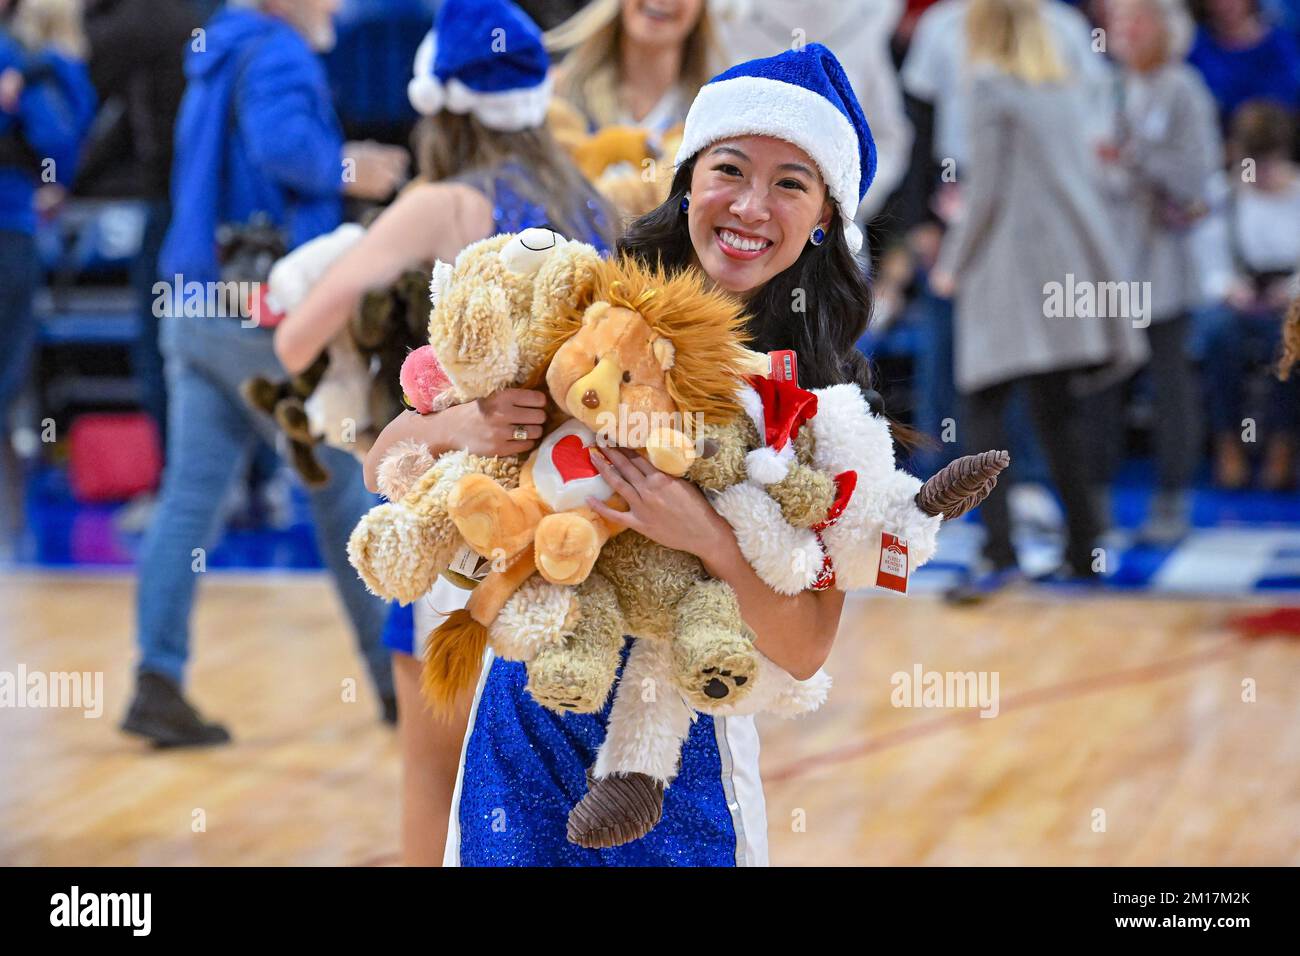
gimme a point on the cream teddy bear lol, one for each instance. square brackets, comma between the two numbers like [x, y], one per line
[485, 339]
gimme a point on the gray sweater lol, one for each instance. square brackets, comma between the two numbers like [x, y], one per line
[1170, 149]
[1033, 239]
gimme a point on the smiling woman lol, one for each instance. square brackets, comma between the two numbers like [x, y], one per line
[774, 153]
[671, 43]
[755, 215]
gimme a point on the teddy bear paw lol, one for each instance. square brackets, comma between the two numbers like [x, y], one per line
[724, 678]
[566, 546]
[486, 517]
[561, 683]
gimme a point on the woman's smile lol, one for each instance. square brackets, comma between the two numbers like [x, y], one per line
[741, 245]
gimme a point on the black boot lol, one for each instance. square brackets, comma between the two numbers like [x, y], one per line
[162, 715]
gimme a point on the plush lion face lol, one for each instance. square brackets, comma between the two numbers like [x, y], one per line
[615, 367]
[638, 344]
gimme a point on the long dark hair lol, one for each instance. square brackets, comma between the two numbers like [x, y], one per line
[819, 307]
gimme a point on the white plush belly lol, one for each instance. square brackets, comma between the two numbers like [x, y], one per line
[563, 472]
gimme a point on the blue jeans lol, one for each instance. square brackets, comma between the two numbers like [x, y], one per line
[20, 273]
[1235, 346]
[146, 357]
[211, 433]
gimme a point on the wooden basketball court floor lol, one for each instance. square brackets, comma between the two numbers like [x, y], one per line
[1122, 737]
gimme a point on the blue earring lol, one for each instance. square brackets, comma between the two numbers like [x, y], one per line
[686, 202]
[818, 236]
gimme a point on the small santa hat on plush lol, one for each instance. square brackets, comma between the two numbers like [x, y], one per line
[483, 57]
[803, 97]
[777, 409]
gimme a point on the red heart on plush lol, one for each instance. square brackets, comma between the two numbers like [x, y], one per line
[572, 459]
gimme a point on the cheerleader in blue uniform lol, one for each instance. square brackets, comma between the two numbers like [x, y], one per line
[775, 158]
[775, 152]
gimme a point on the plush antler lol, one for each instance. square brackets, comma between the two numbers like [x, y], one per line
[616, 810]
[962, 484]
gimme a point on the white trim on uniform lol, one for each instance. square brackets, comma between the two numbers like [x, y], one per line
[737, 739]
[451, 853]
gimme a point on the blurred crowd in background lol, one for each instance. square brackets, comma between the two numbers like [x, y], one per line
[1189, 183]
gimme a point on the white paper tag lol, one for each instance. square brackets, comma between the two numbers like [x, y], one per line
[470, 563]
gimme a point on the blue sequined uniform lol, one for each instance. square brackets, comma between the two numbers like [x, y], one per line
[525, 767]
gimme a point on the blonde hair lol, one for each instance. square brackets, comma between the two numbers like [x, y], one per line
[588, 77]
[1290, 340]
[51, 23]
[1180, 28]
[1012, 36]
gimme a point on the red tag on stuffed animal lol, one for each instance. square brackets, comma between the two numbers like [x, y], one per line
[784, 365]
[893, 570]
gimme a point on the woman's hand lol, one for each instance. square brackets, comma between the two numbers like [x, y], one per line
[794, 632]
[943, 284]
[485, 427]
[667, 510]
[488, 426]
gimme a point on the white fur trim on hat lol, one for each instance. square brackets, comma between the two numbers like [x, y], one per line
[758, 106]
[506, 110]
[767, 466]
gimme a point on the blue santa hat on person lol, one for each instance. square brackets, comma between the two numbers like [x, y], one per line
[803, 97]
[483, 57]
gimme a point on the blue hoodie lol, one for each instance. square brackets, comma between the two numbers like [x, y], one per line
[53, 114]
[256, 132]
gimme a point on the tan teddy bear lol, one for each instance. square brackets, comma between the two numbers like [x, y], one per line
[484, 334]
[788, 539]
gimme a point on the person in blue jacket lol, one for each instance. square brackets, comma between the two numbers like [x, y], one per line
[1243, 56]
[256, 138]
[46, 106]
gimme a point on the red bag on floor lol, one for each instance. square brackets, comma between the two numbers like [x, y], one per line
[113, 456]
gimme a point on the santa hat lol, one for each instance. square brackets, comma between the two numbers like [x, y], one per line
[483, 57]
[803, 97]
[777, 409]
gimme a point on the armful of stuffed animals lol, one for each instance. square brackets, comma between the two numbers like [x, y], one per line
[432, 220]
[483, 427]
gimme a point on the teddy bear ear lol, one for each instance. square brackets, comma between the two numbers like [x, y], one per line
[439, 281]
[665, 352]
[528, 251]
[595, 312]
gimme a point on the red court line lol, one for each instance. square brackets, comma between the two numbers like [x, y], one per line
[1052, 693]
